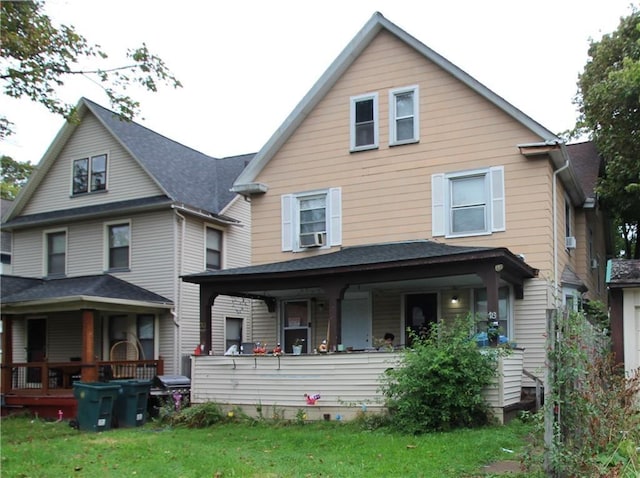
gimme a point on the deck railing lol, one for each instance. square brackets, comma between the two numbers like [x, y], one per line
[47, 377]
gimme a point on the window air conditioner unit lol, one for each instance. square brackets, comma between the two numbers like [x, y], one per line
[594, 263]
[316, 239]
[570, 242]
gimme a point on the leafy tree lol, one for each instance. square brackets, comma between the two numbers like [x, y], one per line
[37, 58]
[14, 175]
[609, 104]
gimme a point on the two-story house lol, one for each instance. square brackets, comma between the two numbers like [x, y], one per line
[399, 192]
[113, 214]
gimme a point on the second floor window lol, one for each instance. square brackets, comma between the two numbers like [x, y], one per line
[56, 253]
[118, 239]
[90, 174]
[468, 203]
[311, 219]
[403, 110]
[364, 122]
[214, 249]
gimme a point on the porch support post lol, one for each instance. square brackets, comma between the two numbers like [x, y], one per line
[207, 298]
[490, 275]
[7, 352]
[89, 370]
[335, 294]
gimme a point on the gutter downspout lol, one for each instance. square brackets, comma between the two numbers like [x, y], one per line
[177, 311]
[555, 234]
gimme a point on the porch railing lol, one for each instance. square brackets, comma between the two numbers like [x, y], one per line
[46, 377]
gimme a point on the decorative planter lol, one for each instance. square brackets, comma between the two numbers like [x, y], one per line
[297, 349]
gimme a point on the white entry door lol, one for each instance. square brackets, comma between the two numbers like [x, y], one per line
[356, 320]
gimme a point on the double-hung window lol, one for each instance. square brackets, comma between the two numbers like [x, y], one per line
[311, 219]
[468, 203]
[56, 252]
[404, 118]
[214, 249]
[90, 174]
[364, 122]
[118, 245]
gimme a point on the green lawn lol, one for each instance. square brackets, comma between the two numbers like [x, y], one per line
[35, 448]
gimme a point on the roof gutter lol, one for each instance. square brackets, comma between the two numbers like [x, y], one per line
[225, 220]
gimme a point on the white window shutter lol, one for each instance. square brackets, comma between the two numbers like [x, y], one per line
[498, 221]
[287, 201]
[335, 212]
[437, 205]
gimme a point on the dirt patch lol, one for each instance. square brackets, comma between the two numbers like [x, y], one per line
[503, 467]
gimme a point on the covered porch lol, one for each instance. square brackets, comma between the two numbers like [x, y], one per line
[350, 299]
[89, 329]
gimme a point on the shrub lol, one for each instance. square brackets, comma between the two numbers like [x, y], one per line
[438, 383]
[198, 416]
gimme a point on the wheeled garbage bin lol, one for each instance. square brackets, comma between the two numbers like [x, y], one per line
[131, 404]
[95, 404]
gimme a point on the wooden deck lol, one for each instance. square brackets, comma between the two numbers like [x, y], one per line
[46, 388]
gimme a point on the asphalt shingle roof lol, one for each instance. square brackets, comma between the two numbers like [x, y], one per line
[586, 162]
[353, 256]
[188, 176]
[624, 272]
[20, 289]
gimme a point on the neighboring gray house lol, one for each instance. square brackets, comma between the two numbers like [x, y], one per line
[112, 216]
[5, 239]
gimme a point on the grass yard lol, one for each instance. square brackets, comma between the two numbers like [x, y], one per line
[36, 448]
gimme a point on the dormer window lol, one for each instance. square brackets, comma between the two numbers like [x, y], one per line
[90, 174]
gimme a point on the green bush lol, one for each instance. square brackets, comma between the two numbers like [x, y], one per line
[438, 384]
[198, 416]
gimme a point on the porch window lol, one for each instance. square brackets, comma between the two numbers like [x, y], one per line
[504, 310]
[404, 119]
[364, 122]
[214, 249]
[118, 245]
[296, 325]
[90, 174]
[468, 203]
[56, 253]
[311, 220]
[145, 325]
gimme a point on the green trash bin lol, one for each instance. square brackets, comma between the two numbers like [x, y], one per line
[95, 404]
[131, 405]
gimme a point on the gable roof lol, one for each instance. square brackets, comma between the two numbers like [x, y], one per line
[186, 176]
[23, 291]
[245, 183]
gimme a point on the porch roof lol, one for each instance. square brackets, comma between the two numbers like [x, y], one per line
[368, 259]
[22, 294]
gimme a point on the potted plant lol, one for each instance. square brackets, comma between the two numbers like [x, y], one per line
[297, 346]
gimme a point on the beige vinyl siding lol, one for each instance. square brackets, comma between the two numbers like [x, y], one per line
[531, 324]
[264, 325]
[28, 252]
[125, 178]
[386, 193]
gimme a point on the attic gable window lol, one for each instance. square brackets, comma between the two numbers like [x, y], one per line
[90, 174]
[364, 122]
[404, 118]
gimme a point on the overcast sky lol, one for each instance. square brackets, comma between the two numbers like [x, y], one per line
[245, 64]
